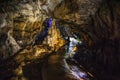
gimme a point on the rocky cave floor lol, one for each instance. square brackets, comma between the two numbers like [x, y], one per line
[32, 70]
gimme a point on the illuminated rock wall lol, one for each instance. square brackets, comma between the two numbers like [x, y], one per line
[23, 21]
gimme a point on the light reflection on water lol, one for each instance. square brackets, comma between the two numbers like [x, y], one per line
[78, 73]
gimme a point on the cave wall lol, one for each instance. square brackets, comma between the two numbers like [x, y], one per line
[106, 35]
[97, 24]
[22, 20]
[103, 41]
[20, 23]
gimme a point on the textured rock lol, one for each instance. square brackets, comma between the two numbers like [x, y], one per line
[25, 20]
[20, 23]
[102, 49]
[77, 11]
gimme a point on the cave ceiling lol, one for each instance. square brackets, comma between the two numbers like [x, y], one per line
[22, 19]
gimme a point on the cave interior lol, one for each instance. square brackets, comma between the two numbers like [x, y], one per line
[59, 40]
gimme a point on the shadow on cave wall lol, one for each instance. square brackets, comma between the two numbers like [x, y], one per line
[102, 56]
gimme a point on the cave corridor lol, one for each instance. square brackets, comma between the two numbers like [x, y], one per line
[59, 40]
